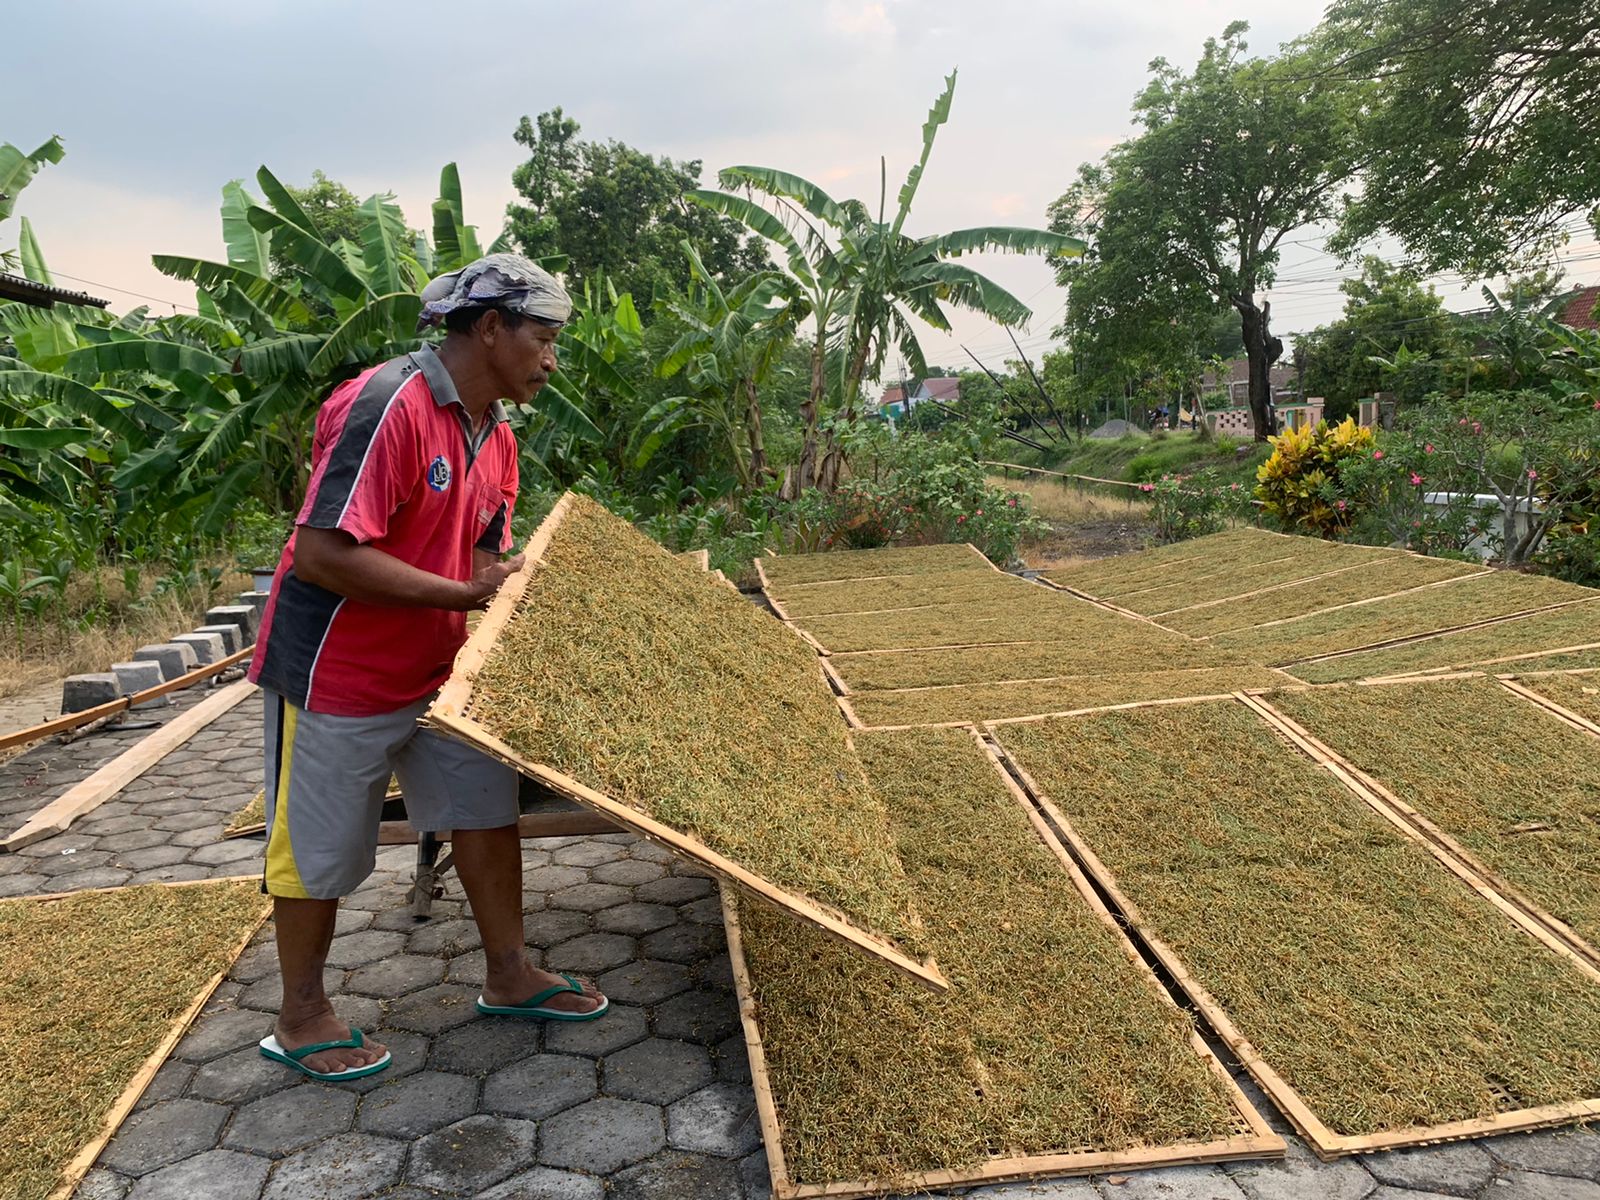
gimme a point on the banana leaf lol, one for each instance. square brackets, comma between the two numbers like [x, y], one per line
[38, 387]
[1003, 237]
[280, 303]
[18, 169]
[39, 437]
[383, 243]
[386, 319]
[32, 257]
[310, 254]
[147, 354]
[285, 205]
[248, 248]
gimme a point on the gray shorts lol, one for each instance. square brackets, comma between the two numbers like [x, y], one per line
[325, 781]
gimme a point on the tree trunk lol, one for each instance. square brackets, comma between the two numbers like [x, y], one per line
[804, 473]
[832, 468]
[1261, 351]
[760, 471]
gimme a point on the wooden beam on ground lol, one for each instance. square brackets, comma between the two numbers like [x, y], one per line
[1560, 711]
[110, 779]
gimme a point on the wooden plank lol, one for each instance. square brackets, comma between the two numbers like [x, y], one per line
[105, 783]
[80, 1163]
[1104, 708]
[1421, 587]
[1276, 587]
[1435, 633]
[1527, 915]
[646, 826]
[1576, 720]
[1257, 1142]
[111, 708]
[1324, 1141]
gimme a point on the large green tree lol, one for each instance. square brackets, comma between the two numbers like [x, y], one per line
[864, 281]
[610, 209]
[1481, 128]
[1231, 159]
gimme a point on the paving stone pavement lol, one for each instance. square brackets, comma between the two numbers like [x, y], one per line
[651, 1102]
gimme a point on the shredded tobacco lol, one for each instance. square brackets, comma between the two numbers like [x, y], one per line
[1121, 572]
[645, 679]
[253, 813]
[1513, 784]
[1456, 602]
[89, 986]
[992, 701]
[1300, 566]
[1579, 693]
[899, 591]
[1093, 652]
[1381, 987]
[784, 571]
[1051, 1041]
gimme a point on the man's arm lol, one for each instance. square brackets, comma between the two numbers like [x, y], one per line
[333, 559]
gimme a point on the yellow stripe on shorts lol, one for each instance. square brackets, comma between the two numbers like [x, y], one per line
[282, 875]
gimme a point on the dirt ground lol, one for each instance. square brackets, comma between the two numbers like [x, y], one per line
[1083, 524]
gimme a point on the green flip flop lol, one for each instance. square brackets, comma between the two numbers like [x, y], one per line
[533, 1006]
[273, 1049]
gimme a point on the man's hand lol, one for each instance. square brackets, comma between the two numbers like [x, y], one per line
[486, 580]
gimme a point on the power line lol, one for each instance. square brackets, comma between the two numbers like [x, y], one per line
[174, 304]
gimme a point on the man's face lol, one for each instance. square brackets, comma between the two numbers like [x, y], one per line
[523, 358]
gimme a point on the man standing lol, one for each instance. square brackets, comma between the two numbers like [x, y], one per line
[406, 517]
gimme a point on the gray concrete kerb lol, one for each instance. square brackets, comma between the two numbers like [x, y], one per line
[91, 690]
[206, 648]
[232, 636]
[176, 657]
[139, 675]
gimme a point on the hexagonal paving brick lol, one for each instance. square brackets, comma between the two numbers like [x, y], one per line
[732, 1059]
[449, 937]
[704, 912]
[1571, 1152]
[636, 919]
[396, 976]
[52, 846]
[553, 879]
[674, 1176]
[683, 943]
[350, 920]
[591, 953]
[232, 851]
[485, 1045]
[720, 1119]
[602, 1136]
[169, 1082]
[540, 1086]
[1299, 1175]
[216, 1175]
[621, 1026]
[70, 861]
[408, 1053]
[587, 854]
[546, 1183]
[473, 1154]
[280, 1124]
[100, 1184]
[22, 883]
[588, 897]
[629, 872]
[150, 856]
[266, 993]
[1459, 1169]
[216, 1034]
[162, 1134]
[1528, 1185]
[1059, 1189]
[435, 1009]
[756, 1177]
[99, 877]
[657, 1071]
[359, 949]
[698, 1016]
[714, 974]
[241, 1076]
[418, 1104]
[179, 873]
[350, 1166]
[469, 968]
[1177, 1183]
[650, 852]
[549, 929]
[644, 982]
[675, 889]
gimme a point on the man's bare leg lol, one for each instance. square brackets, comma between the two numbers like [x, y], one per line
[304, 930]
[489, 862]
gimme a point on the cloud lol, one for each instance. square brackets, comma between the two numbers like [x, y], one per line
[855, 19]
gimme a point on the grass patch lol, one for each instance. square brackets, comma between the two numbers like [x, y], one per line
[1514, 785]
[1033, 660]
[78, 1020]
[1381, 578]
[1051, 1042]
[253, 813]
[1385, 991]
[1126, 572]
[992, 701]
[1065, 502]
[1580, 693]
[1141, 456]
[646, 679]
[1408, 615]
[1248, 577]
[1040, 615]
[902, 591]
[1576, 626]
[784, 571]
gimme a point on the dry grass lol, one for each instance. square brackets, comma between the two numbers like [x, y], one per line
[1458, 602]
[902, 591]
[1514, 785]
[1068, 503]
[993, 701]
[1381, 578]
[1576, 626]
[786, 571]
[89, 987]
[1385, 991]
[1252, 577]
[1580, 693]
[645, 679]
[1052, 1041]
[1143, 648]
[1213, 552]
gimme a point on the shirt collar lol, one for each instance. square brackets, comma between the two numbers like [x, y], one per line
[443, 387]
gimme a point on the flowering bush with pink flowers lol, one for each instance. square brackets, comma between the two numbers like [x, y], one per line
[1186, 506]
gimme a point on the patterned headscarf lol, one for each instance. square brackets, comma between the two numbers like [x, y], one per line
[500, 281]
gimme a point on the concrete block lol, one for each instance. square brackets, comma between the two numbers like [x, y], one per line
[79, 692]
[242, 615]
[255, 600]
[232, 636]
[175, 657]
[139, 675]
[206, 648]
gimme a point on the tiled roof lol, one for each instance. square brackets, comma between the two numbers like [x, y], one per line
[42, 295]
[943, 389]
[1579, 310]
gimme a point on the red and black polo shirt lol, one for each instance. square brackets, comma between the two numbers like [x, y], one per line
[395, 465]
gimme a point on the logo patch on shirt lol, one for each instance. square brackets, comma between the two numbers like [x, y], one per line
[439, 474]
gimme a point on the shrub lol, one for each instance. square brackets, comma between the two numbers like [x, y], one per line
[1298, 484]
[1186, 506]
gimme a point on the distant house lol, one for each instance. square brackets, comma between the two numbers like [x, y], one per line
[895, 402]
[1577, 309]
[1226, 394]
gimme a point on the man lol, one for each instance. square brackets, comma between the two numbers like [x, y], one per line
[406, 517]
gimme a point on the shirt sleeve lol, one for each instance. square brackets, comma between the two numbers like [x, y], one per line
[367, 466]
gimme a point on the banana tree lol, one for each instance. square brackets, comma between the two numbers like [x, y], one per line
[865, 280]
[17, 170]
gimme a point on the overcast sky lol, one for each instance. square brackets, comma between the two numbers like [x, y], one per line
[159, 104]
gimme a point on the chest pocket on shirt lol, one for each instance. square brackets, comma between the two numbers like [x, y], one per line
[487, 501]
